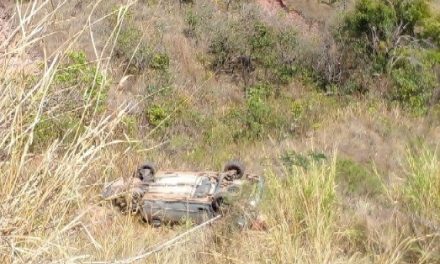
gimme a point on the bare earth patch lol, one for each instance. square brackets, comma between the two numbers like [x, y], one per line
[4, 26]
[23, 62]
[305, 27]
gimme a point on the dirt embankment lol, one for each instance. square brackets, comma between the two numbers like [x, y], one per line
[19, 59]
[306, 27]
[4, 26]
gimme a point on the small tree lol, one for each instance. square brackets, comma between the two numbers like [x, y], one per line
[384, 26]
[399, 38]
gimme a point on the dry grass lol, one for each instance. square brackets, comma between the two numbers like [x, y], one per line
[42, 191]
[423, 183]
[51, 211]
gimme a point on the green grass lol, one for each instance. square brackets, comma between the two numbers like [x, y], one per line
[423, 183]
[301, 207]
[357, 180]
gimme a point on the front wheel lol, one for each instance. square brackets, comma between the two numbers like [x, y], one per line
[146, 172]
[235, 166]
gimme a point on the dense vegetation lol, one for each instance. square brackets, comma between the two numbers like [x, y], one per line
[398, 39]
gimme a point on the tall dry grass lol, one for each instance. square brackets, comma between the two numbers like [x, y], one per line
[42, 192]
[423, 183]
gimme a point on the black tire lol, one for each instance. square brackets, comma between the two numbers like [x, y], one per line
[156, 222]
[141, 172]
[217, 203]
[235, 165]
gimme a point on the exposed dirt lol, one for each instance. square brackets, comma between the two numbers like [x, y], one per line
[15, 62]
[306, 27]
[4, 26]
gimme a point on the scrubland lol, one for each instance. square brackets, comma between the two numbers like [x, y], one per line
[336, 104]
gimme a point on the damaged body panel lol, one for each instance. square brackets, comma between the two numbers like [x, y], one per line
[173, 196]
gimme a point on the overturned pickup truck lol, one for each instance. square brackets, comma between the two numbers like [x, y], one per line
[173, 196]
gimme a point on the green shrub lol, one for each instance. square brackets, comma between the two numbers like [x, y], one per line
[158, 116]
[411, 13]
[297, 110]
[431, 30]
[262, 39]
[253, 46]
[79, 72]
[254, 119]
[284, 74]
[86, 90]
[131, 47]
[396, 39]
[283, 68]
[379, 22]
[222, 51]
[49, 129]
[257, 112]
[370, 14]
[160, 61]
[415, 79]
[275, 51]
[192, 20]
[378, 28]
[308, 113]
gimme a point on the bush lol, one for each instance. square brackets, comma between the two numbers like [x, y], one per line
[393, 39]
[431, 30]
[131, 47]
[414, 79]
[379, 28]
[160, 61]
[157, 116]
[78, 71]
[223, 52]
[86, 91]
[254, 49]
[369, 14]
[49, 129]
[261, 40]
[130, 126]
[90, 83]
[257, 112]
[275, 51]
[192, 20]
[257, 117]
[381, 23]
[308, 112]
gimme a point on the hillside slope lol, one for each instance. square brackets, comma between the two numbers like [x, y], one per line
[332, 117]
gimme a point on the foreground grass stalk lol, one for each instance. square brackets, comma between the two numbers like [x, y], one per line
[423, 183]
[40, 192]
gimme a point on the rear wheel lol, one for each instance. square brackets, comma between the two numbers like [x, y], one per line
[146, 172]
[235, 166]
[217, 203]
[156, 223]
